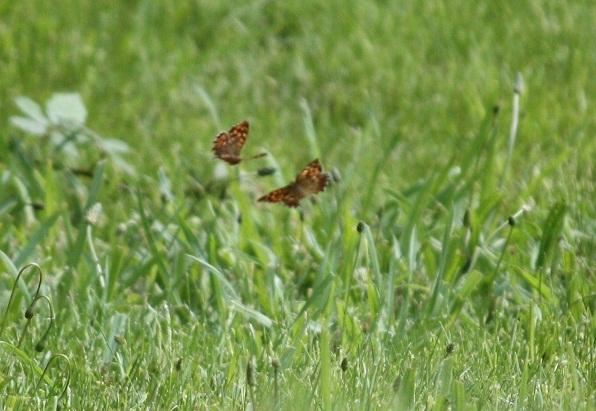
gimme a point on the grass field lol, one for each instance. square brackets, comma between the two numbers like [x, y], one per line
[449, 264]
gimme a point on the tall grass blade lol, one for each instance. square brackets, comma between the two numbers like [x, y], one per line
[517, 90]
[209, 103]
[35, 240]
[229, 291]
[445, 253]
[379, 164]
[93, 195]
[550, 232]
[311, 135]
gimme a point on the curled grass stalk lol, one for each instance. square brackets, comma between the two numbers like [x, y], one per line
[40, 346]
[35, 296]
[29, 313]
[51, 361]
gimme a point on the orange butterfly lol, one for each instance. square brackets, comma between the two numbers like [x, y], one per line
[310, 181]
[227, 146]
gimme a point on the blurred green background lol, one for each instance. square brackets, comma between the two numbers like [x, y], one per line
[426, 71]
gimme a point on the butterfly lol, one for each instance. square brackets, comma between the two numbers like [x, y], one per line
[310, 181]
[227, 146]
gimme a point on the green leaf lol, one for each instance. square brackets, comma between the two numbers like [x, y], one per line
[31, 109]
[67, 109]
[29, 126]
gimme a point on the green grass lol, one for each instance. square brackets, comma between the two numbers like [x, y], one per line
[405, 285]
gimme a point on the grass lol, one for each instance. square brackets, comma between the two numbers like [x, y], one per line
[450, 264]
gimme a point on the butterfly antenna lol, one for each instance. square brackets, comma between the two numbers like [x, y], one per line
[256, 156]
[261, 172]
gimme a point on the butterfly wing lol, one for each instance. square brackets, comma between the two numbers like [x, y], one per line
[288, 195]
[227, 146]
[310, 181]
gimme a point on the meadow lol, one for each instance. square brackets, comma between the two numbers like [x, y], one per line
[448, 264]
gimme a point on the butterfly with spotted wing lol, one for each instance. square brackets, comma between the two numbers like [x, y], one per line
[227, 146]
[311, 180]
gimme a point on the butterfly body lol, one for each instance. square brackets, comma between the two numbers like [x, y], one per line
[227, 146]
[311, 180]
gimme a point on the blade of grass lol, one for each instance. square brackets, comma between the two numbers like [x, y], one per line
[550, 232]
[35, 240]
[445, 253]
[412, 264]
[311, 135]
[93, 195]
[379, 165]
[517, 90]
[375, 283]
[228, 289]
